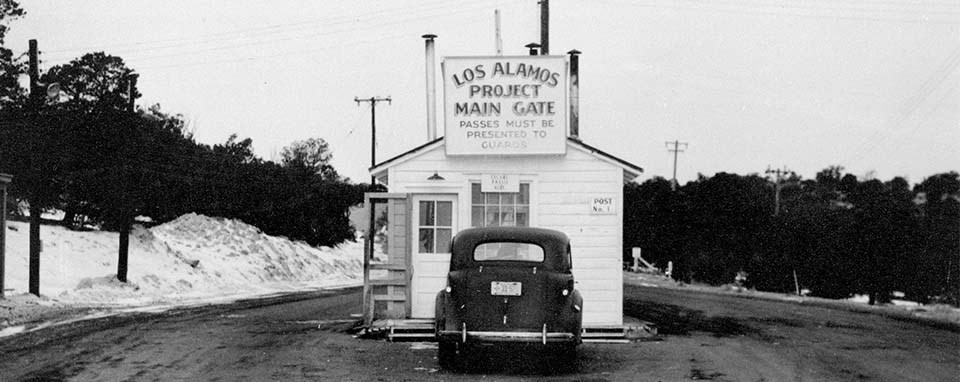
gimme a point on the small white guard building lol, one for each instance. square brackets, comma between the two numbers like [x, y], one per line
[507, 159]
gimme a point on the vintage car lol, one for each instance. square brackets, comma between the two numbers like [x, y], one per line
[508, 285]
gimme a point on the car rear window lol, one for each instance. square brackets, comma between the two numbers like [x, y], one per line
[508, 251]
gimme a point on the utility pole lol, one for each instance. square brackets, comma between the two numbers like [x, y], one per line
[124, 250]
[780, 174]
[544, 27]
[5, 179]
[373, 128]
[35, 210]
[675, 150]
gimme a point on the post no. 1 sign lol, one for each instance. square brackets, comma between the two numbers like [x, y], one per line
[505, 105]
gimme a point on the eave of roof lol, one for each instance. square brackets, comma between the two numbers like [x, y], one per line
[422, 148]
[629, 167]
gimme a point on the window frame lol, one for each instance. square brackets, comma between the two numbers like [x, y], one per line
[435, 226]
[517, 206]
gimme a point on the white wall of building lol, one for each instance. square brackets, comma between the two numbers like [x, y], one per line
[562, 191]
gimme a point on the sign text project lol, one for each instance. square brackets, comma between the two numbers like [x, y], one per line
[505, 105]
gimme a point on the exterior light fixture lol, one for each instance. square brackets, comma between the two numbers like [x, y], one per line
[436, 176]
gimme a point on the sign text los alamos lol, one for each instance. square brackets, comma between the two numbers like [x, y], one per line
[505, 105]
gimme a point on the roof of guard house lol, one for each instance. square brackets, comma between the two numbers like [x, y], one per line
[416, 151]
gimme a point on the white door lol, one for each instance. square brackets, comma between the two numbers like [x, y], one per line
[434, 223]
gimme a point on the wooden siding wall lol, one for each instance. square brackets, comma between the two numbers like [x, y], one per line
[562, 190]
[391, 286]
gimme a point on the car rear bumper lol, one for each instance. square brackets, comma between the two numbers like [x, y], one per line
[494, 336]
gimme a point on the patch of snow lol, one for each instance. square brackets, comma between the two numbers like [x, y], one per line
[860, 299]
[9, 331]
[194, 259]
[898, 302]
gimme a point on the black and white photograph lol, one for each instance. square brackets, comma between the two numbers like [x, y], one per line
[495, 190]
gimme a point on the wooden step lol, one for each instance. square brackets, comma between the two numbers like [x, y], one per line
[389, 267]
[389, 297]
[392, 281]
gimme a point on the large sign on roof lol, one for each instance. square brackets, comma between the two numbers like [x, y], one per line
[505, 105]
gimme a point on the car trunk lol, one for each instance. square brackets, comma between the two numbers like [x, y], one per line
[509, 298]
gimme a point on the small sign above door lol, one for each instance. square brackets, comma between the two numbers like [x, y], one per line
[500, 183]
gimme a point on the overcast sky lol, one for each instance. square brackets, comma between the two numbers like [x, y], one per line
[871, 85]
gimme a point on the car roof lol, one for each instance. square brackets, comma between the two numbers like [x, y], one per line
[526, 234]
[554, 244]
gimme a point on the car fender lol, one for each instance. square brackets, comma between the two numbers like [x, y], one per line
[445, 314]
[573, 313]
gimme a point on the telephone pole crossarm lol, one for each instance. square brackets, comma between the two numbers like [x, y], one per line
[780, 174]
[675, 150]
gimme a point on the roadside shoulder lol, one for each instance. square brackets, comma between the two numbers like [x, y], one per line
[946, 318]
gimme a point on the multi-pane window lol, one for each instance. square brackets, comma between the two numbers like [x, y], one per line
[436, 226]
[492, 209]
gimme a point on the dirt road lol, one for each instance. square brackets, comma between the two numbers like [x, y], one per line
[302, 338]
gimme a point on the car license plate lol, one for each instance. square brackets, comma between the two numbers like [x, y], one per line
[505, 288]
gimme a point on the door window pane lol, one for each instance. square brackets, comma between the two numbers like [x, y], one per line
[426, 213]
[444, 214]
[443, 239]
[426, 240]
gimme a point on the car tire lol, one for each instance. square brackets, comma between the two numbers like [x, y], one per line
[447, 355]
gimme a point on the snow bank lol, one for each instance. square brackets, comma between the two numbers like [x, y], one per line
[191, 259]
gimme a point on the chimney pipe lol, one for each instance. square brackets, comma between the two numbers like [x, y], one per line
[499, 40]
[533, 48]
[544, 27]
[431, 87]
[574, 93]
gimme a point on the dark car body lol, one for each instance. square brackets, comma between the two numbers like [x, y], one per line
[508, 284]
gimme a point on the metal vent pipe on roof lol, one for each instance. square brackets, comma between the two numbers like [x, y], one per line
[533, 48]
[431, 72]
[574, 93]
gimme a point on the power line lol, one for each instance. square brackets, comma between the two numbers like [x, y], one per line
[275, 55]
[243, 32]
[317, 48]
[828, 8]
[912, 104]
[272, 56]
[302, 30]
[777, 10]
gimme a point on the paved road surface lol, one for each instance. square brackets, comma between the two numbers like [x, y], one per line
[302, 338]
